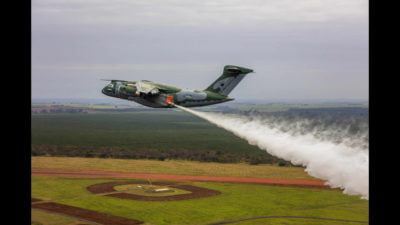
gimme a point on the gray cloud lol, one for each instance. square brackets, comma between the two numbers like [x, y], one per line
[299, 49]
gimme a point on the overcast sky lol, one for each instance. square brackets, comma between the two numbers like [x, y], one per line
[299, 49]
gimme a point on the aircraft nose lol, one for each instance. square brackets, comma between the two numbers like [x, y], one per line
[107, 90]
[104, 91]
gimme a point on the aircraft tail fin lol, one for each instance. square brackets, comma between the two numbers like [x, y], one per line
[229, 79]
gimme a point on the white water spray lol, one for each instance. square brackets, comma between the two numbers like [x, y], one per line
[343, 165]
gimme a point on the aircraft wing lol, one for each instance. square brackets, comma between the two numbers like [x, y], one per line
[147, 88]
[112, 81]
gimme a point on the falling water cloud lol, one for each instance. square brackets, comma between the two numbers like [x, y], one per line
[342, 164]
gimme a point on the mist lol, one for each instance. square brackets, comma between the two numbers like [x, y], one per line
[333, 153]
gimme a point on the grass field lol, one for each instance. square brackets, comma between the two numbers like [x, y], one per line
[237, 201]
[135, 130]
[153, 134]
[40, 217]
[168, 130]
[144, 190]
[164, 134]
[178, 167]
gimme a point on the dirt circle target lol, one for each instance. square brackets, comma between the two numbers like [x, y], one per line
[187, 191]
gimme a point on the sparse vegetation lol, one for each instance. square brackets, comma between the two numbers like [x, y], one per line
[156, 135]
[236, 201]
[143, 133]
[178, 167]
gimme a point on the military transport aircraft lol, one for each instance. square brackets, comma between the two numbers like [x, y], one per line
[158, 95]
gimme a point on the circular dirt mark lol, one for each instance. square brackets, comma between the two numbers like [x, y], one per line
[85, 214]
[108, 187]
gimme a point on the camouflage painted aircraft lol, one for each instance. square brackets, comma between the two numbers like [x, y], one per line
[164, 96]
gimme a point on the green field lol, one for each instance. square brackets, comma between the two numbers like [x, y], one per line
[145, 190]
[143, 133]
[152, 129]
[40, 217]
[237, 201]
[150, 134]
[178, 141]
[177, 167]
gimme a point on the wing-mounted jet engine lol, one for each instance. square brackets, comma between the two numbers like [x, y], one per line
[145, 87]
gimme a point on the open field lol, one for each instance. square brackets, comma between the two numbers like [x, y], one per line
[112, 150]
[178, 167]
[143, 189]
[160, 130]
[150, 134]
[143, 133]
[111, 189]
[237, 203]
[42, 217]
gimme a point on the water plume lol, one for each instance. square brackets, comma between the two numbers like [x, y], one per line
[327, 154]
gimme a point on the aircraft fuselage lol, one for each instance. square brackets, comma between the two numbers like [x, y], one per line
[158, 95]
[183, 97]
